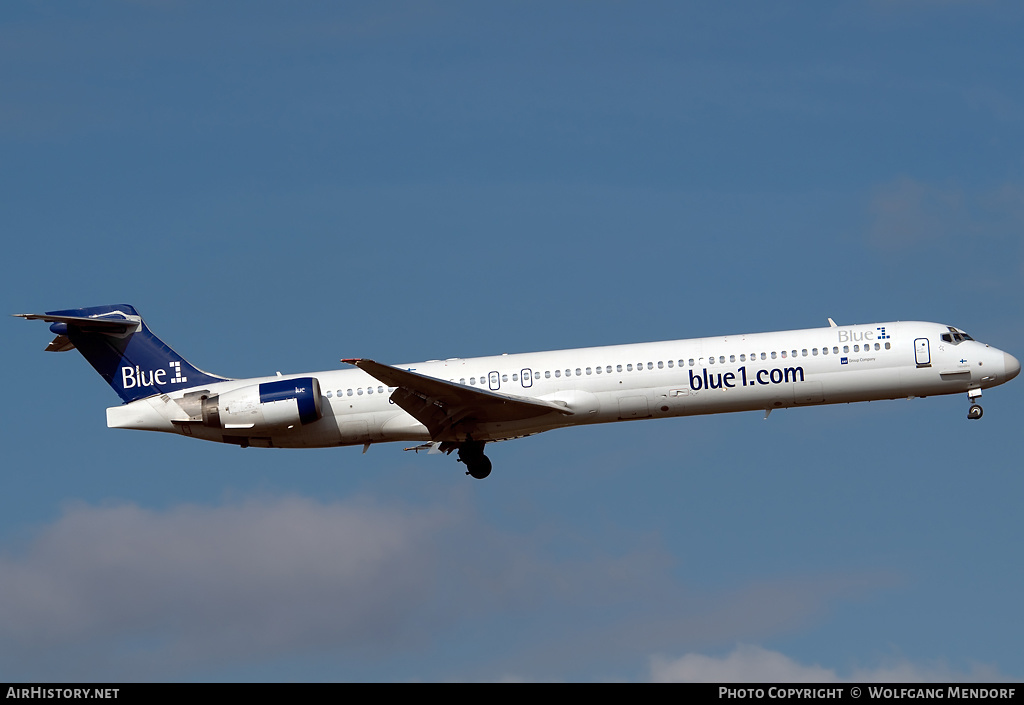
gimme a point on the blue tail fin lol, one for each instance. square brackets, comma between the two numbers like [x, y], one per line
[121, 347]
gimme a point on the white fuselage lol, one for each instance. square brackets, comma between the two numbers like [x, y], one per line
[760, 371]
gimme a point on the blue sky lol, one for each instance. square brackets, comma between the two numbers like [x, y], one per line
[276, 187]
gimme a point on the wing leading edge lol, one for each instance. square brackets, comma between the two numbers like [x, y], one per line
[445, 407]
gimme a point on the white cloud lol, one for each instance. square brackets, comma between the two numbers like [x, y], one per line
[192, 584]
[123, 592]
[746, 664]
[754, 664]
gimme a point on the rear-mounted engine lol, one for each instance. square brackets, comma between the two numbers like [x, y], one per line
[272, 405]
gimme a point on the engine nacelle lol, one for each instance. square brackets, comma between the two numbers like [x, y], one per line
[272, 405]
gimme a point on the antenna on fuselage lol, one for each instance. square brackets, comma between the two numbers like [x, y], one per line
[832, 323]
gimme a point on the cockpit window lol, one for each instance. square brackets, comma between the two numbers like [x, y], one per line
[955, 336]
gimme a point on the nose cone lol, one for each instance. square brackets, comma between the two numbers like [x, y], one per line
[1011, 366]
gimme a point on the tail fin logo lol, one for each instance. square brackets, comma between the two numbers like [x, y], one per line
[176, 369]
[137, 377]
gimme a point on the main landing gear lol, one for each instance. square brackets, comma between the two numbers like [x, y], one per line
[976, 411]
[478, 465]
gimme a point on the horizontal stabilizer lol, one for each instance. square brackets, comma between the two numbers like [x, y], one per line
[116, 323]
[122, 324]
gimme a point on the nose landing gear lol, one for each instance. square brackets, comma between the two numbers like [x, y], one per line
[976, 411]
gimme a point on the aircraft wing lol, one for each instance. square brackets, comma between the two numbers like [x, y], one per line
[441, 406]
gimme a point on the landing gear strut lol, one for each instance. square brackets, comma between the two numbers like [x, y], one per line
[478, 465]
[976, 411]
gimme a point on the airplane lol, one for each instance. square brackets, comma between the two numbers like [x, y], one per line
[462, 404]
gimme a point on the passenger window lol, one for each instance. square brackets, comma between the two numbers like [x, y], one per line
[711, 360]
[588, 370]
[504, 378]
[349, 392]
[579, 372]
[661, 365]
[670, 363]
[887, 346]
[773, 355]
[846, 349]
[369, 390]
[515, 376]
[328, 393]
[547, 374]
[856, 348]
[783, 354]
[629, 368]
[814, 352]
[380, 390]
[804, 352]
[732, 358]
[558, 373]
[762, 356]
[599, 370]
[691, 362]
[618, 368]
[743, 358]
[877, 346]
[359, 391]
